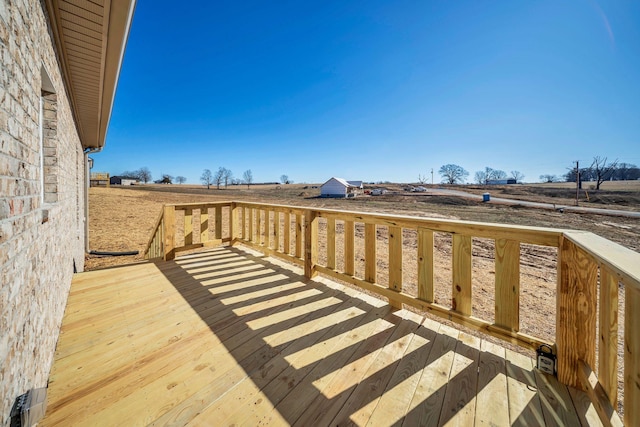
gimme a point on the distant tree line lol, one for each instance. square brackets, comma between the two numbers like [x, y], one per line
[602, 170]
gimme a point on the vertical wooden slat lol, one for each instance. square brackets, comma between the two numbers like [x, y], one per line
[233, 222]
[287, 233]
[631, 356]
[299, 235]
[575, 312]
[310, 243]
[218, 222]
[276, 226]
[169, 232]
[188, 227]
[425, 264]
[461, 299]
[348, 248]
[395, 263]
[259, 238]
[204, 225]
[267, 228]
[608, 348]
[507, 282]
[331, 243]
[251, 236]
[370, 259]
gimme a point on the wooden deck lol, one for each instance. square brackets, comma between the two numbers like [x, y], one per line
[225, 337]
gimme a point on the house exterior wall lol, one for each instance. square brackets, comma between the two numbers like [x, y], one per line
[41, 201]
[333, 188]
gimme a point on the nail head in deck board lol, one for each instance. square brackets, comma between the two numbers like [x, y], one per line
[524, 402]
[460, 399]
[492, 382]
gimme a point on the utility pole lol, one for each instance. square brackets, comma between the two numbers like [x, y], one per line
[577, 181]
[432, 176]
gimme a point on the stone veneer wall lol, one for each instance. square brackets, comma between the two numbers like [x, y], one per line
[41, 226]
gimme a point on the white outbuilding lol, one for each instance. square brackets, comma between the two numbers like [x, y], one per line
[339, 187]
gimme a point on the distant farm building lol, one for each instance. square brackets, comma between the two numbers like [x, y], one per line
[99, 179]
[339, 187]
[501, 181]
[122, 180]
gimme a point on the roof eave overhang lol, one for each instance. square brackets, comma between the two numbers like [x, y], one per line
[91, 40]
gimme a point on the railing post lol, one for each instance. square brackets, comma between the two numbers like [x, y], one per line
[575, 312]
[310, 243]
[169, 227]
[631, 356]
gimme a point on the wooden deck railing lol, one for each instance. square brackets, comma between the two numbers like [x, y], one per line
[589, 271]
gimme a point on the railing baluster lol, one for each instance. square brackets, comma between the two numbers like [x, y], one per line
[169, 232]
[188, 227]
[507, 284]
[331, 243]
[395, 263]
[608, 348]
[259, 238]
[310, 243]
[425, 264]
[287, 233]
[461, 295]
[267, 229]
[276, 227]
[204, 225]
[370, 260]
[218, 234]
[251, 233]
[299, 236]
[349, 247]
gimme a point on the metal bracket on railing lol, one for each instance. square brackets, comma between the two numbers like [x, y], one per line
[546, 361]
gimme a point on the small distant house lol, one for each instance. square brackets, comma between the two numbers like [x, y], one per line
[122, 180]
[339, 187]
[501, 181]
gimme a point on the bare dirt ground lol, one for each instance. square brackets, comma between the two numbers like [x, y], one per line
[122, 219]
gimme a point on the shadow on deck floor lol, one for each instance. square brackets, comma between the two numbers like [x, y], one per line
[228, 337]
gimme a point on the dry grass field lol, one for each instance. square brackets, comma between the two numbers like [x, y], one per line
[121, 219]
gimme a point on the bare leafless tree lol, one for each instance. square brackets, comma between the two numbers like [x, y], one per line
[207, 178]
[247, 177]
[602, 170]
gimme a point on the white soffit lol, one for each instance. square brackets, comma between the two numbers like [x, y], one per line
[91, 38]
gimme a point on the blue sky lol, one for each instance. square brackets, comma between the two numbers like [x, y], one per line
[375, 90]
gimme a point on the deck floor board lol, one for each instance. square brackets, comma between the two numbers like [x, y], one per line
[228, 337]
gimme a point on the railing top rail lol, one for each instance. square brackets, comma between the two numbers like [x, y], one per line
[196, 205]
[535, 235]
[620, 260]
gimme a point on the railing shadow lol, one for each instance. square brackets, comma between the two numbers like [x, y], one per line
[320, 356]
